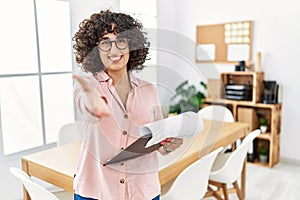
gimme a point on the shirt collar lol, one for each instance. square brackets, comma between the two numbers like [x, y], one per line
[134, 81]
[103, 77]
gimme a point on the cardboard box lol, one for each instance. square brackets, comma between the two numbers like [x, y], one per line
[215, 89]
[249, 116]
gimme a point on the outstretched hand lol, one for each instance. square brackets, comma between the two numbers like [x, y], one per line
[96, 104]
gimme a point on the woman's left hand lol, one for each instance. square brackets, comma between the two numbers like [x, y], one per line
[169, 145]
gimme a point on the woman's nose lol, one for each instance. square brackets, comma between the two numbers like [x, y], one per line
[114, 47]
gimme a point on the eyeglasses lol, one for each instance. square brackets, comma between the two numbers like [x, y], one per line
[120, 42]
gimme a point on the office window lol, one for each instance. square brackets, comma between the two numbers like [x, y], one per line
[35, 73]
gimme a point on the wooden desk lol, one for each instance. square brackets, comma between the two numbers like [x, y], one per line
[57, 165]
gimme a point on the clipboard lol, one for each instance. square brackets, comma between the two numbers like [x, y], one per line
[136, 149]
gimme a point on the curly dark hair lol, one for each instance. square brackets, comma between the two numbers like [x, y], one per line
[92, 30]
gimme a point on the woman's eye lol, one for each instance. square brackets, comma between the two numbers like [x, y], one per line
[121, 40]
[105, 42]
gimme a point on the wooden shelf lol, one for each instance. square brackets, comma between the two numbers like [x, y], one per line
[251, 79]
[241, 103]
[250, 111]
[256, 162]
[264, 136]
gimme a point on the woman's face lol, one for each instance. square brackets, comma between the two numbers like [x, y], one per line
[114, 52]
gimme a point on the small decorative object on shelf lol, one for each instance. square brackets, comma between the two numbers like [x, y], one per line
[258, 62]
[263, 122]
[263, 154]
[270, 92]
[241, 66]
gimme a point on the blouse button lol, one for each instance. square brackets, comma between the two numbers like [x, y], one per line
[122, 163]
[124, 132]
[122, 180]
[122, 148]
[126, 116]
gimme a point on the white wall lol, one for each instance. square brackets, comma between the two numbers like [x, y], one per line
[276, 35]
[81, 10]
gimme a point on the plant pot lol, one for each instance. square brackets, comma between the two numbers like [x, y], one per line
[263, 158]
[263, 128]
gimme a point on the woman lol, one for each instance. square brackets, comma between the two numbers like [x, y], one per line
[115, 104]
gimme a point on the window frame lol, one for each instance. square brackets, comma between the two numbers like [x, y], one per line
[39, 74]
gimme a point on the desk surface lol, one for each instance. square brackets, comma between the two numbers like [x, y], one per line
[57, 165]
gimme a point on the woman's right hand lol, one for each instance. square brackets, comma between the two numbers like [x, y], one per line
[95, 103]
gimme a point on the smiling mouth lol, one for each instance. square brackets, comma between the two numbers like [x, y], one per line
[115, 58]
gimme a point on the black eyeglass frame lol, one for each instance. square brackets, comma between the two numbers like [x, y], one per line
[116, 43]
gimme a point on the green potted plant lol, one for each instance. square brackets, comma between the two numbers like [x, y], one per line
[263, 124]
[262, 154]
[187, 98]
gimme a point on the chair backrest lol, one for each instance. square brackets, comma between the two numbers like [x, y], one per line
[192, 182]
[35, 191]
[216, 112]
[70, 132]
[232, 168]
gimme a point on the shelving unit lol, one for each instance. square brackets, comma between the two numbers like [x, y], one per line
[254, 79]
[250, 111]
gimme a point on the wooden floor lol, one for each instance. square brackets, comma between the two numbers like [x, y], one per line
[282, 182]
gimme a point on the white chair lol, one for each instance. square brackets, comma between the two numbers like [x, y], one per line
[216, 112]
[36, 191]
[70, 132]
[192, 182]
[227, 167]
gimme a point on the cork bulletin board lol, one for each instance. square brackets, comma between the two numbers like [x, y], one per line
[224, 43]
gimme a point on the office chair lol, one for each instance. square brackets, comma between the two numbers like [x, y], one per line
[192, 182]
[216, 112]
[219, 113]
[70, 132]
[227, 167]
[36, 191]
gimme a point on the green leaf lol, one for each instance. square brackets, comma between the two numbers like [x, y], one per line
[262, 150]
[203, 85]
[263, 121]
[178, 88]
[193, 100]
[175, 108]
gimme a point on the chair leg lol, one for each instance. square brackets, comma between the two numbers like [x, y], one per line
[214, 193]
[225, 191]
[238, 191]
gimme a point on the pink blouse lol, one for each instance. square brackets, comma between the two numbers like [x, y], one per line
[135, 179]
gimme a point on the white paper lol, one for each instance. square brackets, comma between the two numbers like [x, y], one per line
[206, 52]
[237, 52]
[185, 125]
